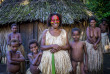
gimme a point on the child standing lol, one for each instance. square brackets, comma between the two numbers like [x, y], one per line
[78, 49]
[14, 57]
[16, 35]
[34, 57]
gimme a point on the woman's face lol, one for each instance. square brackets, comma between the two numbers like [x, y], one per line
[92, 23]
[55, 21]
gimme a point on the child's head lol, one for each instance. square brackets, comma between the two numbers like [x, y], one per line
[33, 45]
[76, 33]
[14, 28]
[14, 44]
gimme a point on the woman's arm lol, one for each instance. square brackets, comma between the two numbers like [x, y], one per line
[99, 36]
[66, 47]
[43, 46]
[88, 35]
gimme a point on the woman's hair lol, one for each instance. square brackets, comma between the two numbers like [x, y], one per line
[32, 42]
[50, 16]
[104, 19]
[13, 41]
[14, 24]
[92, 18]
[75, 29]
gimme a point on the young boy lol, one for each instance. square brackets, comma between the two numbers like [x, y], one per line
[14, 57]
[16, 35]
[34, 57]
[78, 49]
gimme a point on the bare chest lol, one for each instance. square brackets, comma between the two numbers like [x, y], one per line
[16, 36]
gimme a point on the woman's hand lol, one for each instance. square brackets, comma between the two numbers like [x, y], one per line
[95, 46]
[56, 47]
[53, 50]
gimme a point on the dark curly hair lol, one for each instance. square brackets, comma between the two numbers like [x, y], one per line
[14, 24]
[76, 29]
[14, 41]
[32, 42]
[50, 16]
[92, 18]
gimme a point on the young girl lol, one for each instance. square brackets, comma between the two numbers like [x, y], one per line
[34, 57]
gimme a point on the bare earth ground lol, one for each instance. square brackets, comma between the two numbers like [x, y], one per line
[106, 66]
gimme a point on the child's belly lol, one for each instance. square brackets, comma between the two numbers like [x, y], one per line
[34, 69]
[13, 68]
[78, 57]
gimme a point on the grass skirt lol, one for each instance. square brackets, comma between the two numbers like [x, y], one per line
[95, 57]
[62, 62]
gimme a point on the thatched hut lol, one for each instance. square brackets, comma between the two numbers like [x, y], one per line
[31, 17]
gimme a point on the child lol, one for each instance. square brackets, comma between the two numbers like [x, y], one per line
[16, 35]
[78, 48]
[14, 57]
[34, 57]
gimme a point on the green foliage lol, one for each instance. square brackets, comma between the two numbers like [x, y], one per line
[101, 8]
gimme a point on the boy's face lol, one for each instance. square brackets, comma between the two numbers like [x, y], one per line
[76, 35]
[14, 46]
[55, 21]
[14, 29]
[33, 48]
[92, 23]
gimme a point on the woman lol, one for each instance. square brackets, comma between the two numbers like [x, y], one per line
[94, 48]
[55, 42]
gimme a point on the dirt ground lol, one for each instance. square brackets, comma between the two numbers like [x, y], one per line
[106, 65]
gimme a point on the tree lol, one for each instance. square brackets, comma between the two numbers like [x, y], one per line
[101, 8]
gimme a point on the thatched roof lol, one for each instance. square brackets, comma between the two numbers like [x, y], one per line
[39, 10]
